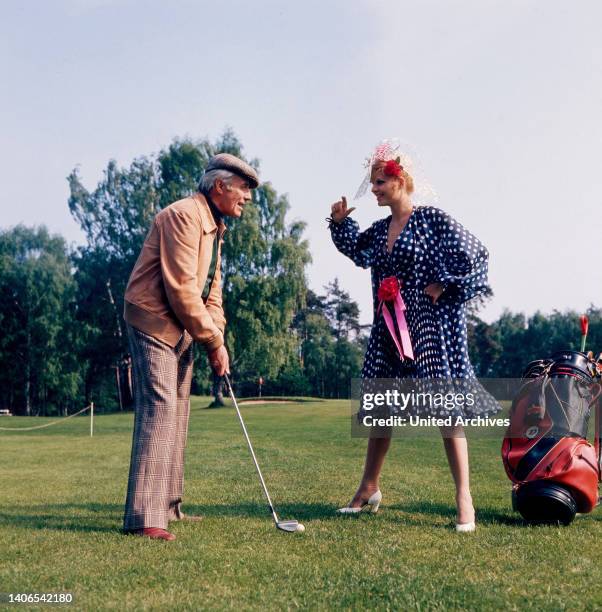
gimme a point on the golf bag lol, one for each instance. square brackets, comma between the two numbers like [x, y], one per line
[554, 469]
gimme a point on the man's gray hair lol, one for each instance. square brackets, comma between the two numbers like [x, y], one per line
[208, 179]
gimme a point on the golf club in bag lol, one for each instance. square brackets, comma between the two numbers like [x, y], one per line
[555, 471]
[289, 526]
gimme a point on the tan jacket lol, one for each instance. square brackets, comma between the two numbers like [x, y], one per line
[163, 295]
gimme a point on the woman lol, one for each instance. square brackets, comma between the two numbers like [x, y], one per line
[439, 266]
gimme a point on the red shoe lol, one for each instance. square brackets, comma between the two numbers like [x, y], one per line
[155, 533]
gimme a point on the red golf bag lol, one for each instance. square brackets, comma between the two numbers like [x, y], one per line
[554, 469]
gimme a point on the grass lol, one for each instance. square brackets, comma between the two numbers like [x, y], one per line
[62, 496]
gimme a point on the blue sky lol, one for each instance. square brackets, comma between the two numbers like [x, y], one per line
[500, 99]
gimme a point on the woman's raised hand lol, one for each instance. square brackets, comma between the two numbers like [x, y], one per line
[339, 210]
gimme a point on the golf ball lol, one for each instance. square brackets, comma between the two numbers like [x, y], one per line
[300, 528]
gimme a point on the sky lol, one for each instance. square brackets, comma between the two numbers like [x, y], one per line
[499, 100]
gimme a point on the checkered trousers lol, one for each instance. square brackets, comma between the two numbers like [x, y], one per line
[161, 377]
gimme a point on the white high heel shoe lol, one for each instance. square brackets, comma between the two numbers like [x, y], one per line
[372, 505]
[466, 527]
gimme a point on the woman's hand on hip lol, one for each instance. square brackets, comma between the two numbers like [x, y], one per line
[434, 291]
[339, 210]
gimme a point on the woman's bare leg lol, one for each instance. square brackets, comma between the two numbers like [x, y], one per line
[456, 449]
[375, 458]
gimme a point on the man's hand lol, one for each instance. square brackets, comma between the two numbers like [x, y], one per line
[219, 361]
[434, 291]
[339, 210]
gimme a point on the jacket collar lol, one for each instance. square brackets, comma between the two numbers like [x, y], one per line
[207, 218]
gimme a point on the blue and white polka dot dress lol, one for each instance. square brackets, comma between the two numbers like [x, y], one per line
[432, 247]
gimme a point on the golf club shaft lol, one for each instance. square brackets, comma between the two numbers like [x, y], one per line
[244, 430]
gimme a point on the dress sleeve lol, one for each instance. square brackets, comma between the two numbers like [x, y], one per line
[464, 260]
[351, 242]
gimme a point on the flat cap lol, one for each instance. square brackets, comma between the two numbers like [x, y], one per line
[225, 161]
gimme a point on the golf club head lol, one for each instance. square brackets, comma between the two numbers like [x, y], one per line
[290, 526]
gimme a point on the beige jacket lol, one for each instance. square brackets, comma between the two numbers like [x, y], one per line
[163, 295]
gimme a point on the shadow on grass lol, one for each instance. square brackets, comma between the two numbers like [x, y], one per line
[308, 512]
[305, 511]
[82, 517]
[485, 515]
[107, 518]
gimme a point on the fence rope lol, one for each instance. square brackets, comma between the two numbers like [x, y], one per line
[45, 424]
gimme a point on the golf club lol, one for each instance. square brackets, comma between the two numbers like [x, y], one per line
[290, 526]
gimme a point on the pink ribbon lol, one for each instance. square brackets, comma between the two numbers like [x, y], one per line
[405, 349]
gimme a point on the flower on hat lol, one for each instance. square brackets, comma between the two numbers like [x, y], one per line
[393, 168]
[389, 289]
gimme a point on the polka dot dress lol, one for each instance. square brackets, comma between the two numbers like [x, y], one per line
[432, 247]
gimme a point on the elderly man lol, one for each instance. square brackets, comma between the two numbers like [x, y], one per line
[173, 298]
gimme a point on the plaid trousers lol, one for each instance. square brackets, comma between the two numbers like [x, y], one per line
[162, 377]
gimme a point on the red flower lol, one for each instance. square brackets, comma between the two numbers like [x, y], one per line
[392, 168]
[584, 324]
[389, 289]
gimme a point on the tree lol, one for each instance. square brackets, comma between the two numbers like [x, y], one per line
[39, 368]
[342, 311]
[343, 314]
[263, 259]
[115, 218]
[331, 347]
[485, 346]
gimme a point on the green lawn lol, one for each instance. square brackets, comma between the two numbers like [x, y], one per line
[61, 504]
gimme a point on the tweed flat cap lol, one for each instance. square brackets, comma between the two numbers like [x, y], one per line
[225, 161]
